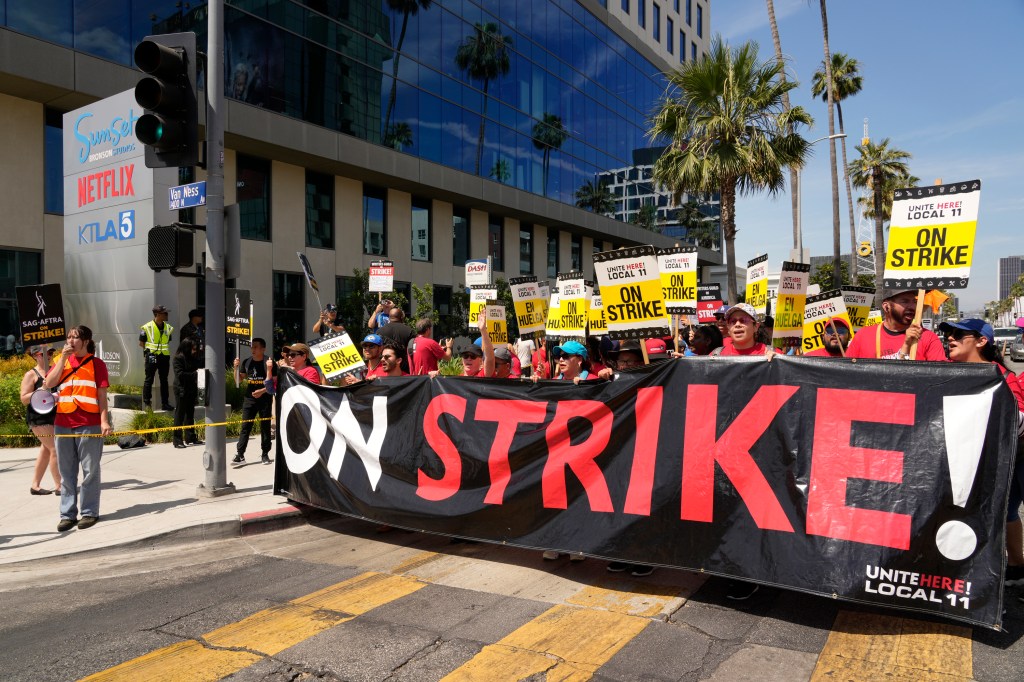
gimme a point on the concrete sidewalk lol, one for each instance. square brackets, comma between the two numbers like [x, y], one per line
[146, 493]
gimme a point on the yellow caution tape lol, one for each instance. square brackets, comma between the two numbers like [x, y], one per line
[158, 429]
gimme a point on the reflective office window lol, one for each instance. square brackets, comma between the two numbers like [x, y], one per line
[625, 6]
[598, 246]
[460, 236]
[405, 289]
[496, 241]
[375, 228]
[641, 13]
[670, 35]
[252, 193]
[53, 161]
[656, 19]
[577, 252]
[700, 21]
[552, 254]
[443, 306]
[17, 268]
[319, 210]
[525, 249]
[689, 12]
[422, 236]
[288, 311]
[51, 20]
[682, 46]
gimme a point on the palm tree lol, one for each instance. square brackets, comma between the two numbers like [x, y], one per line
[888, 188]
[702, 229]
[407, 8]
[829, 91]
[595, 197]
[646, 218]
[725, 121]
[846, 82]
[878, 165]
[794, 174]
[548, 136]
[484, 57]
[501, 171]
[398, 136]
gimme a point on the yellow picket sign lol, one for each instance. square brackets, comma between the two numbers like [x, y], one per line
[528, 305]
[497, 327]
[819, 309]
[337, 355]
[631, 293]
[678, 268]
[858, 305]
[789, 308]
[757, 283]
[596, 324]
[572, 302]
[479, 294]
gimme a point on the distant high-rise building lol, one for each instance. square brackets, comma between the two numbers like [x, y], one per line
[1008, 271]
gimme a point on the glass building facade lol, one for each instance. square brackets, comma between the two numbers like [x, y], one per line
[461, 83]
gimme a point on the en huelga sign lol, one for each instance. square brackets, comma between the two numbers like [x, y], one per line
[875, 482]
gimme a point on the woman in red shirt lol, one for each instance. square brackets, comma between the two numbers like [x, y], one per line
[741, 321]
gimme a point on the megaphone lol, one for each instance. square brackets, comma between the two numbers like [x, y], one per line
[42, 401]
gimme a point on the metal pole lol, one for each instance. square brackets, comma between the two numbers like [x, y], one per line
[214, 459]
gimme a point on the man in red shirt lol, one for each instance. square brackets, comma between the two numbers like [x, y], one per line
[391, 363]
[835, 336]
[424, 351]
[373, 347]
[896, 337]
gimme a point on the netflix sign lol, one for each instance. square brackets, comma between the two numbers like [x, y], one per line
[869, 481]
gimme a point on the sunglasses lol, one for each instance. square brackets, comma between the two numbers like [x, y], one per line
[469, 356]
[295, 354]
[829, 331]
[959, 334]
[370, 346]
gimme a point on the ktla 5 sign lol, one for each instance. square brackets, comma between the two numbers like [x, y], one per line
[121, 228]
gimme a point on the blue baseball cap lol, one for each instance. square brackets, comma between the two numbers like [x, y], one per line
[570, 348]
[375, 339]
[973, 325]
[722, 310]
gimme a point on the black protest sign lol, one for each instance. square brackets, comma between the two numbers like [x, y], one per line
[849, 480]
[41, 314]
[239, 317]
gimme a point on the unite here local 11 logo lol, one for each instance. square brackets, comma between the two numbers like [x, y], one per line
[122, 228]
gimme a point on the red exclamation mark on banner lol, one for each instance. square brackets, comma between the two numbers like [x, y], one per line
[965, 418]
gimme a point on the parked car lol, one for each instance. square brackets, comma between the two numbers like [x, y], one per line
[1017, 351]
[1006, 336]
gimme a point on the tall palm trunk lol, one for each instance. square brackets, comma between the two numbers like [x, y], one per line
[849, 199]
[837, 275]
[394, 75]
[876, 189]
[728, 205]
[480, 138]
[794, 175]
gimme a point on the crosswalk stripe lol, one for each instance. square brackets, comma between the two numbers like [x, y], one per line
[565, 642]
[867, 646]
[632, 599]
[235, 646]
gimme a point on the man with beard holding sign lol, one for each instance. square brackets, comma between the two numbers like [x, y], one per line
[898, 337]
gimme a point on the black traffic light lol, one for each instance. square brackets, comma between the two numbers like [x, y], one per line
[170, 125]
[170, 247]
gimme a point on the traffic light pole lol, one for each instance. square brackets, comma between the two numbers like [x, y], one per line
[214, 457]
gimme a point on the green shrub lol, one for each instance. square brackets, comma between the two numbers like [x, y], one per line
[450, 367]
[153, 420]
[11, 371]
[125, 389]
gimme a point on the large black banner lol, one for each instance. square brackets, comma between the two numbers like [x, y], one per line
[870, 481]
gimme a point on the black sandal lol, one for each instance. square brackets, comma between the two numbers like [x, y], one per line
[40, 491]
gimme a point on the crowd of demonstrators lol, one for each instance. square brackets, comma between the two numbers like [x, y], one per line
[973, 340]
[897, 337]
[398, 333]
[186, 363]
[328, 323]
[257, 403]
[155, 341]
[81, 380]
[835, 339]
[41, 424]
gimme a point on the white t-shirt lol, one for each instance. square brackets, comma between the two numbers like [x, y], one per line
[525, 349]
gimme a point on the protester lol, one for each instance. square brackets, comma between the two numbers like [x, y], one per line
[504, 364]
[896, 337]
[540, 368]
[257, 402]
[328, 323]
[194, 329]
[723, 328]
[186, 391]
[524, 350]
[707, 340]
[973, 340]
[373, 346]
[391, 363]
[835, 339]
[593, 345]
[381, 314]
[742, 323]
[424, 351]
[298, 360]
[81, 380]
[40, 424]
[657, 349]
[155, 341]
[573, 365]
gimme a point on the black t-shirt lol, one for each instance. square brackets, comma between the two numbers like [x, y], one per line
[398, 332]
[252, 375]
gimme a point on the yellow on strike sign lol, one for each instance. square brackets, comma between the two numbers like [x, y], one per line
[858, 305]
[337, 355]
[789, 307]
[479, 294]
[554, 311]
[596, 325]
[757, 283]
[678, 268]
[631, 293]
[818, 311]
[497, 327]
[931, 236]
[529, 306]
[573, 297]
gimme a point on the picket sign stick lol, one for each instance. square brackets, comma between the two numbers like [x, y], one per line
[917, 320]
[675, 336]
[643, 349]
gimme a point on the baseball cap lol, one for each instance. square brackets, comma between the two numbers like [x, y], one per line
[893, 293]
[973, 325]
[160, 309]
[570, 348]
[656, 349]
[375, 339]
[32, 350]
[742, 308]
[501, 353]
[299, 348]
[722, 310]
[473, 348]
[839, 322]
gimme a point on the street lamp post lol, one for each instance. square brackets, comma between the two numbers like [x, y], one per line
[799, 255]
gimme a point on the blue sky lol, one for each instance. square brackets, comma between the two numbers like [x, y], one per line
[942, 80]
